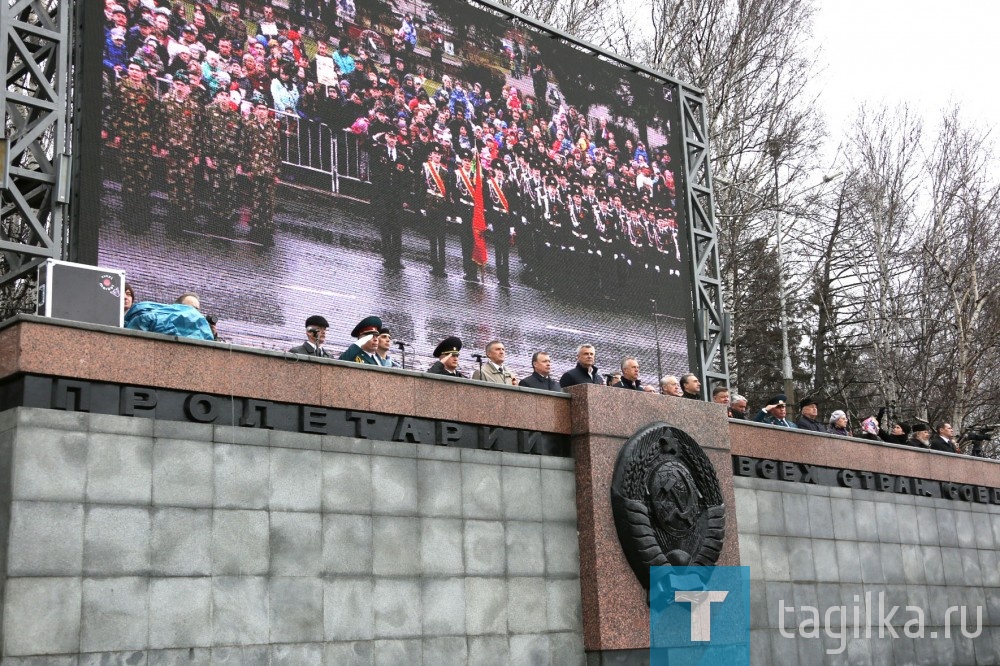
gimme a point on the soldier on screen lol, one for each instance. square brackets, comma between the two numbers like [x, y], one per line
[181, 120]
[433, 197]
[500, 207]
[462, 200]
[390, 164]
[220, 141]
[260, 162]
[135, 117]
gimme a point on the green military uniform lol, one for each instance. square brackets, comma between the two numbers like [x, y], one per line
[135, 116]
[181, 120]
[261, 160]
[234, 29]
[221, 142]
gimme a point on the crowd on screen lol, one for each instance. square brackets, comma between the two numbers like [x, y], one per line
[373, 345]
[566, 189]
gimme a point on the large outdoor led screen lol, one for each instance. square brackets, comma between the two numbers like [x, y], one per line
[532, 192]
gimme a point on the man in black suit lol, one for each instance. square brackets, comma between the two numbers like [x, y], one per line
[390, 164]
[315, 337]
[585, 371]
[540, 378]
[943, 439]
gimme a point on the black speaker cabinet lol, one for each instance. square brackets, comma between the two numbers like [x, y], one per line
[79, 292]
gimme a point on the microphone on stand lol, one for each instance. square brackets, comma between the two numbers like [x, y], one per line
[402, 352]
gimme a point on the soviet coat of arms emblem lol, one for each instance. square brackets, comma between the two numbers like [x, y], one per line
[667, 502]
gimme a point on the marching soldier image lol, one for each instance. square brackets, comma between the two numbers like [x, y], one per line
[390, 165]
[434, 205]
[260, 164]
[135, 117]
[501, 204]
[463, 202]
[221, 132]
[181, 120]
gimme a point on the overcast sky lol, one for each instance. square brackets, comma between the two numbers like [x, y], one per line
[926, 53]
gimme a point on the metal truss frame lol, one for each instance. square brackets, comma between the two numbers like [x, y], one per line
[35, 44]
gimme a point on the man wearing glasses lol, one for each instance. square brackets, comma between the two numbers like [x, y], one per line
[447, 354]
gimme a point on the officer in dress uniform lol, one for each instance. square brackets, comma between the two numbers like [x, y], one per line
[364, 348]
[447, 358]
[390, 164]
[463, 204]
[433, 196]
[503, 201]
[181, 120]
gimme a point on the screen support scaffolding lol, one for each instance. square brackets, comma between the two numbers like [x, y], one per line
[34, 171]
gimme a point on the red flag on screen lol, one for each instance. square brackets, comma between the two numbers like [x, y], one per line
[479, 255]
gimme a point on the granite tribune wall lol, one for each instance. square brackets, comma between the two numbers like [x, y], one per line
[141, 541]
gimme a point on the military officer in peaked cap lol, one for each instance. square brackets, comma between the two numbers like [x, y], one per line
[447, 357]
[364, 348]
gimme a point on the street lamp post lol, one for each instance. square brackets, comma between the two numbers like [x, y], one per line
[774, 147]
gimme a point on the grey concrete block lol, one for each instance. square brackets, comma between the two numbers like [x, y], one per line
[566, 649]
[283, 439]
[995, 524]
[558, 495]
[951, 561]
[240, 543]
[8, 419]
[820, 517]
[46, 539]
[481, 457]
[180, 612]
[443, 607]
[529, 649]
[41, 616]
[201, 432]
[443, 453]
[250, 655]
[887, 522]
[865, 520]
[871, 563]
[49, 465]
[241, 436]
[296, 544]
[482, 494]
[241, 476]
[909, 531]
[760, 647]
[927, 526]
[347, 544]
[563, 605]
[746, 511]
[394, 486]
[774, 556]
[779, 596]
[439, 489]
[338, 444]
[525, 549]
[348, 609]
[397, 605]
[485, 606]
[562, 549]
[115, 614]
[519, 459]
[396, 652]
[964, 529]
[360, 653]
[933, 565]
[183, 657]
[913, 565]
[770, 513]
[489, 650]
[295, 609]
[750, 555]
[182, 542]
[522, 493]
[972, 575]
[119, 469]
[182, 473]
[28, 418]
[982, 530]
[446, 651]
[240, 610]
[395, 541]
[758, 605]
[796, 514]
[128, 658]
[441, 546]
[485, 548]
[848, 561]
[347, 483]
[394, 449]
[990, 566]
[310, 654]
[892, 563]
[859, 652]
[296, 480]
[554, 462]
[116, 540]
[946, 525]
[825, 554]
[801, 564]
[784, 650]
[120, 425]
[527, 600]
[844, 526]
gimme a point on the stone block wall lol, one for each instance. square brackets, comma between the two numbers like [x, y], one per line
[824, 547]
[154, 542]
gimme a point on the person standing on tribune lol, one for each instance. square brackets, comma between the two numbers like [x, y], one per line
[315, 337]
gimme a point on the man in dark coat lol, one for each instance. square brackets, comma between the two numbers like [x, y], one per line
[774, 413]
[364, 348]
[943, 439]
[585, 371]
[315, 337]
[920, 436]
[391, 177]
[540, 377]
[447, 358]
[808, 411]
